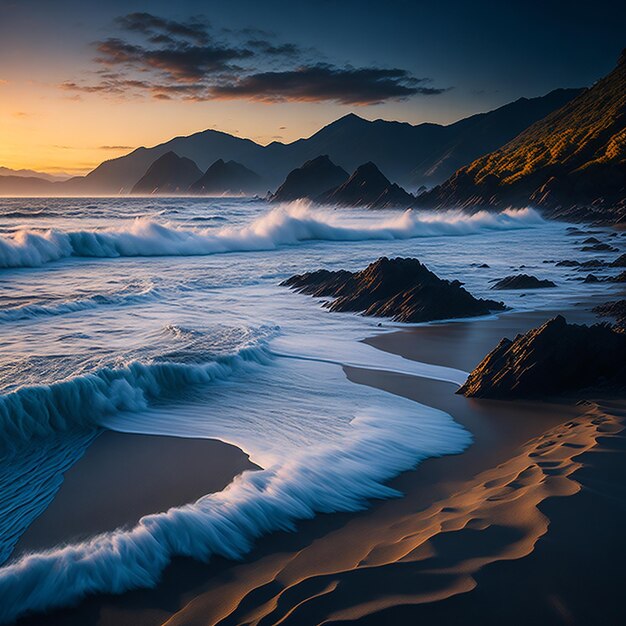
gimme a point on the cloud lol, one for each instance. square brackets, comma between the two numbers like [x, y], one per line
[322, 82]
[3, 82]
[162, 30]
[116, 147]
[180, 61]
[164, 59]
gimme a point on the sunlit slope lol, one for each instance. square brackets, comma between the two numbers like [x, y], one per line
[571, 163]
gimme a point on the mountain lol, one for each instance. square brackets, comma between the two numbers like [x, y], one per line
[7, 171]
[311, 180]
[368, 187]
[26, 186]
[425, 154]
[410, 155]
[117, 176]
[168, 174]
[228, 178]
[572, 163]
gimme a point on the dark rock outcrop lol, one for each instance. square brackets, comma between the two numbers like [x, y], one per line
[619, 262]
[522, 281]
[616, 310]
[228, 178]
[368, 187]
[591, 278]
[599, 247]
[169, 174]
[402, 289]
[556, 358]
[572, 163]
[311, 180]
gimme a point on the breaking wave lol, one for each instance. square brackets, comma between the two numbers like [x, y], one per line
[30, 311]
[281, 226]
[336, 477]
[83, 401]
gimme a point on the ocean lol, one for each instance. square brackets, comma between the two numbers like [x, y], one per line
[165, 316]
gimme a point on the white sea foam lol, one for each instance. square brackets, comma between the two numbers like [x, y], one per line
[281, 226]
[63, 307]
[337, 477]
[83, 401]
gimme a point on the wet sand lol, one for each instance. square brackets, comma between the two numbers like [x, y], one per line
[531, 509]
[123, 477]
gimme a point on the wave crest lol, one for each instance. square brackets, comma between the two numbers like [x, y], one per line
[286, 225]
[330, 479]
[83, 401]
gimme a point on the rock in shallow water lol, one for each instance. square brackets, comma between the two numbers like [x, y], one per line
[523, 281]
[402, 289]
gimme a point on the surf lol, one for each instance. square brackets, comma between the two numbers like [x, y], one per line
[287, 225]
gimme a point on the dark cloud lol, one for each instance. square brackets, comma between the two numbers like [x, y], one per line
[357, 86]
[162, 30]
[167, 59]
[267, 47]
[180, 61]
[116, 147]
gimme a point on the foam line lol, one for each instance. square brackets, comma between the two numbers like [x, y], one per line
[286, 225]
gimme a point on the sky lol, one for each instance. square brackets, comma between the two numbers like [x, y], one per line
[83, 81]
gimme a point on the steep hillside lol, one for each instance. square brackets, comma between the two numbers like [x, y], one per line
[230, 178]
[311, 180]
[169, 174]
[368, 187]
[572, 163]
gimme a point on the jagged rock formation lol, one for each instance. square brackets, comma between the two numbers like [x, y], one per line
[619, 262]
[311, 180]
[556, 358]
[367, 187]
[522, 281]
[169, 174]
[572, 163]
[228, 178]
[616, 310]
[402, 289]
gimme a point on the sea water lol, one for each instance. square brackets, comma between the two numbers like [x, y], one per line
[165, 316]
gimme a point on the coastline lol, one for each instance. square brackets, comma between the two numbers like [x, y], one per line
[122, 477]
[346, 558]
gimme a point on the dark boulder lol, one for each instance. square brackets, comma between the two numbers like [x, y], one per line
[599, 247]
[402, 289]
[619, 262]
[523, 281]
[556, 358]
[615, 309]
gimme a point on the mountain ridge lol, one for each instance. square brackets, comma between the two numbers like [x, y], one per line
[571, 164]
[410, 155]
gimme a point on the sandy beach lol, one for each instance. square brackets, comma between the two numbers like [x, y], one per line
[500, 520]
[123, 477]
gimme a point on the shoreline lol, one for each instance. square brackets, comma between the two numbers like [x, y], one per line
[277, 577]
[122, 477]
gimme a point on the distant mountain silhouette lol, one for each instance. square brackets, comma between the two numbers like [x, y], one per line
[169, 174]
[368, 187]
[572, 163]
[409, 155]
[26, 186]
[230, 178]
[22, 173]
[311, 180]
